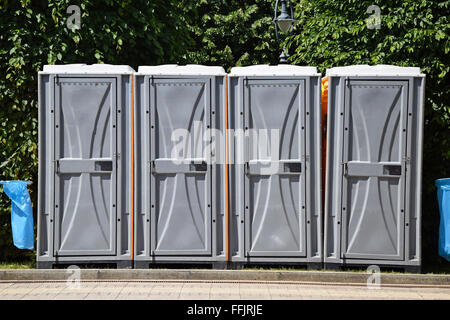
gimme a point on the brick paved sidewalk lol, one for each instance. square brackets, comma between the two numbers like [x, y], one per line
[198, 290]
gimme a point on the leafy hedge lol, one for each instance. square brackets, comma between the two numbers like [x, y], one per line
[216, 32]
[231, 33]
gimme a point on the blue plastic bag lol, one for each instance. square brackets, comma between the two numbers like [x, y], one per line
[443, 186]
[21, 213]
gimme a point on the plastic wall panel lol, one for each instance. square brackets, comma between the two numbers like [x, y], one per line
[86, 173]
[374, 145]
[180, 192]
[275, 202]
[374, 178]
[84, 157]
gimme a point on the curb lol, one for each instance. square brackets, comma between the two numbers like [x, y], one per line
[222, 275]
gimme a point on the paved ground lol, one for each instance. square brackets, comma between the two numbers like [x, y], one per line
[386, 278]
[217, 290]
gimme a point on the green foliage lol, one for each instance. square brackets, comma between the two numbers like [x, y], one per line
[412, 33]
[231, 33]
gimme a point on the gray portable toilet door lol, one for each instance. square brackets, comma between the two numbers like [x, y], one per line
[373, 188]
[274, 119]
[180, 181]
[85, 166]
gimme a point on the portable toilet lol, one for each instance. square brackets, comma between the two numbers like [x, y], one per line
[373, 167]
[180, 171]
[84, 201]
[275, 165]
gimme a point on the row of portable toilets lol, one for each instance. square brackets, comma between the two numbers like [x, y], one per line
[189, 164]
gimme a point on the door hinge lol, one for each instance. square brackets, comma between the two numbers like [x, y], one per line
[246, 168]
[347, 81]
[345, 168]
[57, 166]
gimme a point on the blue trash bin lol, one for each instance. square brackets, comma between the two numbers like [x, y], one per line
[443, 186]
[21, 213]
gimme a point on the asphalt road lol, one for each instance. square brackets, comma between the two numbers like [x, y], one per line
[214, 290]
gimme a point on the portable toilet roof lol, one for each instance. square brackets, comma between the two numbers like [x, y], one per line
[276, 70]
[377, 70]
[174, 69]
[82, 68]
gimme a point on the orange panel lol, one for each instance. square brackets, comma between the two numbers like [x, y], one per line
[324, 106]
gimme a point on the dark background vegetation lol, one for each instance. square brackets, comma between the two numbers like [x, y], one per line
[217, 32]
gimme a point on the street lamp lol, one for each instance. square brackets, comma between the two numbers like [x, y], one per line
[284, 21]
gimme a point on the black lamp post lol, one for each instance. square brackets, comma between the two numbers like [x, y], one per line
[284, 21]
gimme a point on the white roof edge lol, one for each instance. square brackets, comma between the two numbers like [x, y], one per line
[376, 70]
[189, 69]
[276, 70]
[82, 68]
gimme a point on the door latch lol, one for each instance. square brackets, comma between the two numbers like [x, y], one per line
[103, 166]
[392, 170]
[293, 167]
[198, 166]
